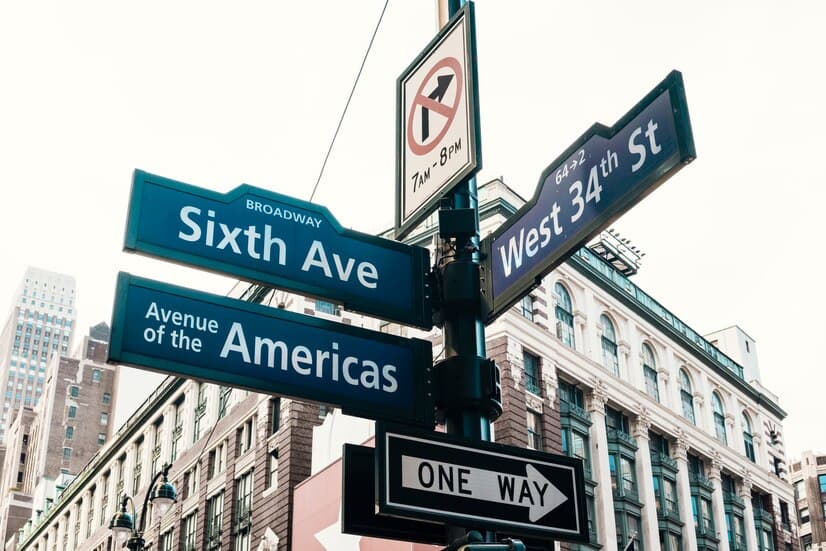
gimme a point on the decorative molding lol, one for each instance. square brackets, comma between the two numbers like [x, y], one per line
[716, 465]
[624, 347]
[680, 451]
[580, 318]
[598, 397]
[533, 402]
[643, 424]
[745, 487]
[730, 421]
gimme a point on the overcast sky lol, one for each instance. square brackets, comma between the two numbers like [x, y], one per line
[222, 93]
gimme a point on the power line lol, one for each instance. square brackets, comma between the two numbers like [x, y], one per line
[346, 105]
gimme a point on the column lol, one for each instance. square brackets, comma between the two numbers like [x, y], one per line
[684, 492]
[748, 514]
[717, 506]
[603, 494]
[650, 527]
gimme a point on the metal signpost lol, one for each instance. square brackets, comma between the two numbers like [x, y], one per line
[479, 484]
[437, 130]
[278, 241]
[600, 176]
[225, 341]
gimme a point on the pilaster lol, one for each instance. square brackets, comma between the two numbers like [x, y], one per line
[717, 505]
[603, 494]
[680, 454]
[748, 513]
[645, 475]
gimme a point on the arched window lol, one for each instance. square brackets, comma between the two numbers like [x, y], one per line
[687, 397]
[748, 440]
[649, 371]
[564, 316]
[719, 418]
[609, 345]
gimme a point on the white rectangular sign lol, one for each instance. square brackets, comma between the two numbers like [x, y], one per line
[436, 127]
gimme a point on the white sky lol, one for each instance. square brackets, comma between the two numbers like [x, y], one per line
[222, 93]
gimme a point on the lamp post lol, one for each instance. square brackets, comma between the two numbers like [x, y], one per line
[123, 525]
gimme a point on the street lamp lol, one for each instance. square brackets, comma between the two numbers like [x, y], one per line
[123, 524]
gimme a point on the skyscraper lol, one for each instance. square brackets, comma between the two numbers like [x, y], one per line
[39, 325]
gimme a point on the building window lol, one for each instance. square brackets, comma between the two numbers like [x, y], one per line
[74, 391]
[687, 397]
[190, 527]
[610, 360]
[215, 514]
[104, 500]
[136, 471]
[526, 307]
[649, 371]
[67, 454]
[96, 375]
[200, 411]
[804, 515]
[530, 363]
[70, 432]
[165, 541]
[224, 393]
[564, 316]
[748, 440]
[246, 436]
[107, 398]
[104, 418]
[800, 490]
[719, 418]
[272, 469]
[534, 430]
[325, 307]
[177, 430]
[275, 415]
[243, 513]
[821, 480]
[216, 460]
[72, 412]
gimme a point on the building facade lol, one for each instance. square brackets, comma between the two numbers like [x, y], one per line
[809, 480]
[48, 444]
[682, 446]
[40, 324]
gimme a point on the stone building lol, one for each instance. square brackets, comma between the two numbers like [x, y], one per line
[809, 480]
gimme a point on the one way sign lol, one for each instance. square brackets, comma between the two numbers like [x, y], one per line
[430, 476]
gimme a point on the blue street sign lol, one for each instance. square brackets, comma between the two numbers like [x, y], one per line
[173, 330]
[603, 174]
[278, 241]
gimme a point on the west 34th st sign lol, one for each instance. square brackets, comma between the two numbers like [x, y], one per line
[596, 179]
[278, 241]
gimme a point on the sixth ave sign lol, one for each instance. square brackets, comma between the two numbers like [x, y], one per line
[435, 477]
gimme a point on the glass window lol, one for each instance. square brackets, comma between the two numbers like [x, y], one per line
[821, 480]
[215, 513]
[719, 418]
[190, 528]
[649, 370]
[800, 489]
[275, 414]
[327, 308]
[67, 454]
[526, 307]
[72, 412]
[804, 515]
[610, 360]
[104, 418]
[96, 375]
[272, 469]
[165, 541]
[243, 512]
[748, 440]
[530, 364]
[74, 391]
[687, 397]
[70, 432]
[107, 398]
[564, 315]
[534, 430]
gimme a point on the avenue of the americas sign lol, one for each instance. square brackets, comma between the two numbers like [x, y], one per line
[278, 241]
[437, 477]
[230, 342]
[600, 176]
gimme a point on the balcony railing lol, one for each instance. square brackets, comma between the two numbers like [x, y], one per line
[567, 408]
[622, 437]
[697, 478]
[662, 459]
[734, 499]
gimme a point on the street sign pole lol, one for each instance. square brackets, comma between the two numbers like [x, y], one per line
[467, 413]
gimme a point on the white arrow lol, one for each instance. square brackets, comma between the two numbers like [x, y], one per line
[331, 538]
[532, 490]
